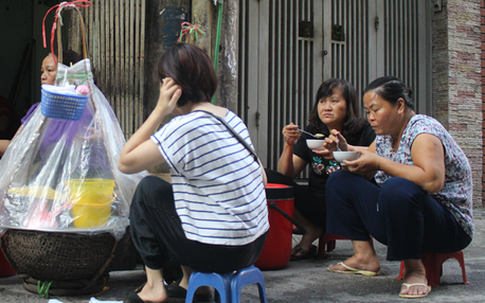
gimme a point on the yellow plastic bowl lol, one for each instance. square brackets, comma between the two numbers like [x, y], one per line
[91, 191]
[90, 215]
[92, 199]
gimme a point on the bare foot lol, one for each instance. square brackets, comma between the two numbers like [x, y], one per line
[305, 249]
[153, 293]
[312, 233]
[415, 274]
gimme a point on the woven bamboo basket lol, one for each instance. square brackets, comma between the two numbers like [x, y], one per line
[71, 263]
[58, 256]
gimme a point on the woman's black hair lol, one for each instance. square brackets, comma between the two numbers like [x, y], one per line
[353, 120]
[191, 68]
[69, 57]
[391, 89]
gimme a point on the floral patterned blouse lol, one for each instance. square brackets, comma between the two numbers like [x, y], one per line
[456, 194]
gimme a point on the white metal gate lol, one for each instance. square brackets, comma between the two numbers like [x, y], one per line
[367, 39]
[280, 68]
[287, 47]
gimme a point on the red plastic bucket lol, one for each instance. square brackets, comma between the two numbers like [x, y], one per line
[5, 269]
[277, 248]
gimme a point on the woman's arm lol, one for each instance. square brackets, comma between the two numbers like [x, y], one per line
[3, 146]
[289, 164]
[141, 153]
[428, 171]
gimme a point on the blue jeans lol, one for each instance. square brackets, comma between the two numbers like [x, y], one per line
[398, 214]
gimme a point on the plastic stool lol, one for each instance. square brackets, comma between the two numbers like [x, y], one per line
[6, 270]
[228, 285]
[433, 262]
[328, 240]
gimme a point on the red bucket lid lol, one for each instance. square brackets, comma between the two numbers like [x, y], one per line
[276, 191]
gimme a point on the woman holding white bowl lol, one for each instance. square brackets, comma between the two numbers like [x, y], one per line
[336, 107]
[423, 198]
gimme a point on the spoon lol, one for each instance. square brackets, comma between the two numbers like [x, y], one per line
[318, 136]
[336, 141]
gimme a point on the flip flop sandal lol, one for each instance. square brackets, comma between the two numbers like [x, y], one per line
[301, 253]
[139, 288]
[134, 298]
[415, 296]
[355, 271]
[174, 290]
[297, 231]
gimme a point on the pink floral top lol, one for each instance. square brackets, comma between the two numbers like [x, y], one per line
[456, 194]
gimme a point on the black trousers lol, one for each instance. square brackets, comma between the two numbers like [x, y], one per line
[157, 234]
[398, 214]
[310, 204]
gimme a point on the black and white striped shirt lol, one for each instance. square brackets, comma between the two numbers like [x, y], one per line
[218, 187]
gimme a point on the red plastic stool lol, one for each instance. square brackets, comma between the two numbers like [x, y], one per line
[5, 269]
[328, 240]
[433, 262]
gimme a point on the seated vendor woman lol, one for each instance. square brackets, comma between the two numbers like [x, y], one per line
[57, 127]
[336, 107]
[423, 198]
[213, 217]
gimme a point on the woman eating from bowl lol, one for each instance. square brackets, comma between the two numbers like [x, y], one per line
[423, 198]
[213, 216]
[336, 107]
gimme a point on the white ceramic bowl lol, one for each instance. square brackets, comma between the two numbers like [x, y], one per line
[315, 144]
[340, 156]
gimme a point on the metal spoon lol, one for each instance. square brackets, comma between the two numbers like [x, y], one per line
[317, 136]
[336, 141]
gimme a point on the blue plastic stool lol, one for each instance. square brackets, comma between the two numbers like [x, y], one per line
[228, 284]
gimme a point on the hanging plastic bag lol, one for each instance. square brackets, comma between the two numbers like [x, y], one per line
[60, 172]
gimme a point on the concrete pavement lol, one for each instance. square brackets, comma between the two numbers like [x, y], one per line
[309, 281]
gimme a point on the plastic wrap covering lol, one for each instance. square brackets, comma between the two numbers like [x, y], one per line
[61, 175]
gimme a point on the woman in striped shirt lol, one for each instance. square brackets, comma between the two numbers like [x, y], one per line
[213, 216]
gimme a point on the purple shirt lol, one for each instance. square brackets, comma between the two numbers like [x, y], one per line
[58, 127]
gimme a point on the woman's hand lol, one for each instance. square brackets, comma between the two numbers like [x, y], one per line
[291, 133]
[330, 144]
[427, 170]
[170, 93]
[335, 138]
[366, 165]
[290, 164]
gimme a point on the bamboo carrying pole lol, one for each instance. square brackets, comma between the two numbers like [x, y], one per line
[218, 39]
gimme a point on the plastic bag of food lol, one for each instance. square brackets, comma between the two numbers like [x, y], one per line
[60, 171]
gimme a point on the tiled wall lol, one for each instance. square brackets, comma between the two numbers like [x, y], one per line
[458, 78]
[464, 84]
